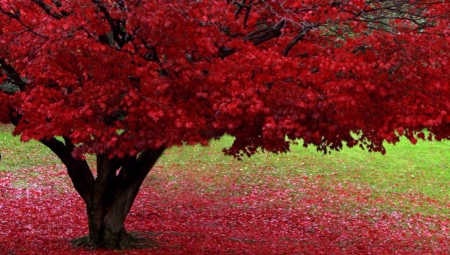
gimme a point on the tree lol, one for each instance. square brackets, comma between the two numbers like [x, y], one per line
[124, 80]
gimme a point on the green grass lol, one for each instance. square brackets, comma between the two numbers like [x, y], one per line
[18, 155]
[406, 170]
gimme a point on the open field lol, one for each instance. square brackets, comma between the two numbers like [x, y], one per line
[197, 201]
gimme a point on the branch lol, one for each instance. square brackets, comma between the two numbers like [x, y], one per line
[12, 74]
[296, 40]
[135, 168]
[149, 157]
[265, 34]
[48, 9]
[116, 25]
[16, 16]
[243, 6]
[57, 3]
[78, 170]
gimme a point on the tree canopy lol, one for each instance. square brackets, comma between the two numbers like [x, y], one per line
[120, 77]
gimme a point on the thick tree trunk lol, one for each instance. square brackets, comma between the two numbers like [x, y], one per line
[109, 196]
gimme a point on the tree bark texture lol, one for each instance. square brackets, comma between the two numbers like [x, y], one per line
[110, 195]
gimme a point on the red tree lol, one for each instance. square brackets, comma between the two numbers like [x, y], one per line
[125, 80]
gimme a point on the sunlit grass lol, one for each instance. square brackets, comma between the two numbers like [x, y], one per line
[19, 155]
[406, 170]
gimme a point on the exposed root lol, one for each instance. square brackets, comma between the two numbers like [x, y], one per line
[126, 242]
[83, 242]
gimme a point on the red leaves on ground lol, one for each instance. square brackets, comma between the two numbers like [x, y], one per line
[184, 217]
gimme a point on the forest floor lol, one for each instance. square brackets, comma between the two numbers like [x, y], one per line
[197, 201]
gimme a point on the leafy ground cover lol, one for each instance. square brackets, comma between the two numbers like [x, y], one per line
[199, 202]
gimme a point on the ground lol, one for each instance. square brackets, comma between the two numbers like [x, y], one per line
[199, 202]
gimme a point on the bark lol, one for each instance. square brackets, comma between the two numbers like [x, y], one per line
[109, 196]
[78, 170]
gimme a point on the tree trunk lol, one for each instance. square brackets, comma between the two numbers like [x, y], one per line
[109, 196]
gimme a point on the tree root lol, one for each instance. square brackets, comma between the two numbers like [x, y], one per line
[125, 242]
[83, 242]
[128, 241]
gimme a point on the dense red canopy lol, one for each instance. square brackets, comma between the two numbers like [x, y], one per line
[121, 76]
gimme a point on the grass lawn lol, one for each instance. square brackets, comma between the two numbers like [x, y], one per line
[17, 155]
[355, 202]
[406, 169]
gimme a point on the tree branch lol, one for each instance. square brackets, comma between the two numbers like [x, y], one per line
[16, 16]
[117, 25]
[12, 74]
[78, 170]
[48, 9]
[296, 40]
[148, 158]
[265, 34]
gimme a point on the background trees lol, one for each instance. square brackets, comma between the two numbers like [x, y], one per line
[124, 80]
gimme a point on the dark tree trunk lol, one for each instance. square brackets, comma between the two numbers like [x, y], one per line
[109, 196]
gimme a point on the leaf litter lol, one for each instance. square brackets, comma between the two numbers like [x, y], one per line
[219, 216]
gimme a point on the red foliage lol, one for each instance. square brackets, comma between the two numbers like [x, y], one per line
[123, 78]
[183, 218]
[178, 72]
